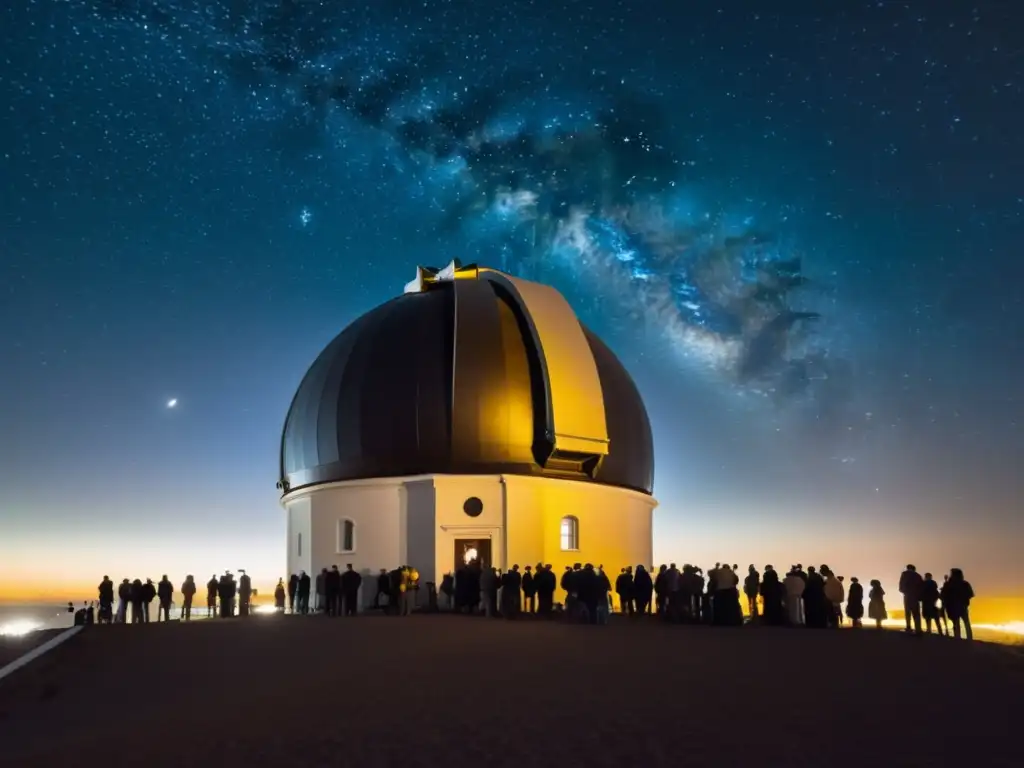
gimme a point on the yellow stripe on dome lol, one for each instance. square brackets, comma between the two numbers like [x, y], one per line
[574, 386]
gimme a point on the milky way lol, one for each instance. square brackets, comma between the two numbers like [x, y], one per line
[587, 181]
[798, 225]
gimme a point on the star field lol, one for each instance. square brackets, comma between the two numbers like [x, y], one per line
[797, 226]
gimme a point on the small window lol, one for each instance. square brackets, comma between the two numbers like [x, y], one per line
[570, 534]
[298, 548]
[346, 536]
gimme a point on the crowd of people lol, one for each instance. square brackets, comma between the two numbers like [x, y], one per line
[132, 600]
[815, 597]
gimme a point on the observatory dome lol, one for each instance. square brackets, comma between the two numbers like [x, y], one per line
[469, 372]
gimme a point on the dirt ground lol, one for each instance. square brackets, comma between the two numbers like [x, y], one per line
[446, 690]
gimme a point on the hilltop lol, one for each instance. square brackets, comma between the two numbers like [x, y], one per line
[435, 690]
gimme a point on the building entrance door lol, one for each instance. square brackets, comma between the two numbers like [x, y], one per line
[470, 550]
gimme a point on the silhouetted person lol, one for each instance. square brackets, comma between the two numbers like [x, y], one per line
[876, 604]
[673, 593]
[855, 601]
[332, 591]
[726, 607]
[293, 591]
[588, 590]
[226, 593]
[751, 589]
[660, 591]
[529, 591]
[816, 605]
[350, 583]
[794, 586]
[383, 589]
[212, 589]
[511, 594]
[643, 590]
[772, 596]
[106, 600]
[320, 601]
[930, 604]
[148, 596]
[304, 584]
[957, 594]
[244, 593]
[567, 583]
[280, 595]
[137, 601]
[467, 587]
[911, 585]
[835, 594]
[546, 585]
[624, 589]
[124, 599]
[448, 590]
[165, 593]
[188, 591]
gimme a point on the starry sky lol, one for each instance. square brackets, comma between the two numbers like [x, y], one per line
[799, 227]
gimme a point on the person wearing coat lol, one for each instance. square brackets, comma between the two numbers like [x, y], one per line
[855, 602]
[834, 594]
[930, 605]
[794, 587]
[876, 603]
[188, 591]
[279, 595]
[957, 594]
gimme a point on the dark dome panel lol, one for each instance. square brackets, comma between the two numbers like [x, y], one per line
[630, 462]
[444, 381]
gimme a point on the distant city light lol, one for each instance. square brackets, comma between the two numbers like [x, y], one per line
[1010, 628]
[18, 628]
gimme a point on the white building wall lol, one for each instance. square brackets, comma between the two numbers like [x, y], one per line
[452, 523]
[418, 501]
[375, 507]
[417, 521]
[299, 536]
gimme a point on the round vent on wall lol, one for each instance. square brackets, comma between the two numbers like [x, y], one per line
[473, 506]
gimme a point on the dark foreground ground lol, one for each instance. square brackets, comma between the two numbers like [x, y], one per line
[449, 691]
[12, 648]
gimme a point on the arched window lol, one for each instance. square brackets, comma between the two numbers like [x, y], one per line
[346, 536]
[570, 532]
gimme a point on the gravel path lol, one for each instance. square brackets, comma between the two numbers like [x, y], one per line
[442, 690]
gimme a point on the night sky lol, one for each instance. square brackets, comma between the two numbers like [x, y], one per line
[800, 229]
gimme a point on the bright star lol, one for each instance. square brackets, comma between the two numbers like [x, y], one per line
[172, 402]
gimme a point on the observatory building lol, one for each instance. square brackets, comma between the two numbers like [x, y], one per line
[471, 417]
